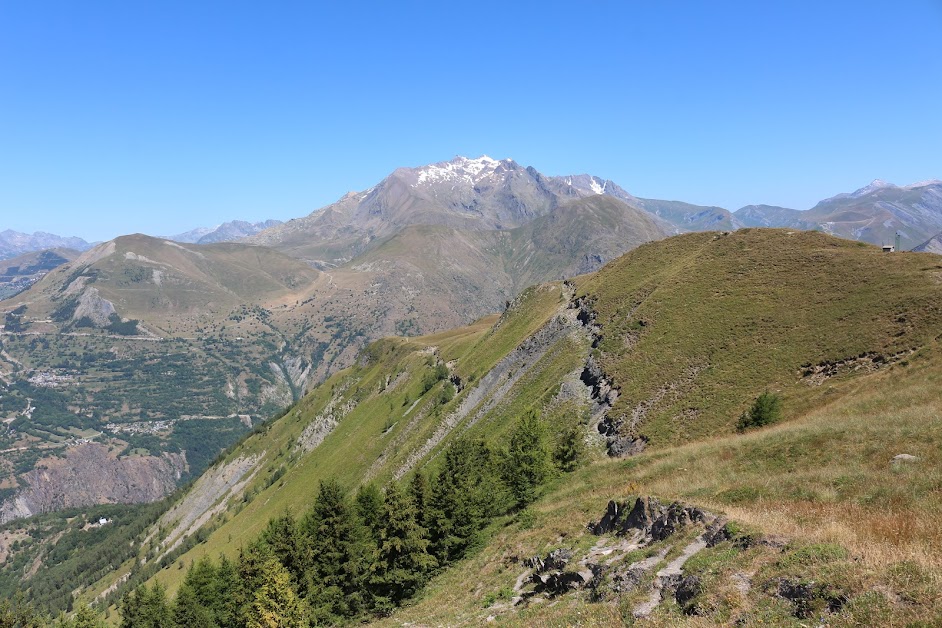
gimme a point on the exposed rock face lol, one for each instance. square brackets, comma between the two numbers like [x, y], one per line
[90, 474]
[92, 306]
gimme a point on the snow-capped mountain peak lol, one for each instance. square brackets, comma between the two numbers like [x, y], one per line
[461, 169]
[876, 184]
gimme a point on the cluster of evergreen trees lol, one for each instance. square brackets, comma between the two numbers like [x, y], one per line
[350, 557]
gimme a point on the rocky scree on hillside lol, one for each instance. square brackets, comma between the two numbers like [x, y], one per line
[641, 554]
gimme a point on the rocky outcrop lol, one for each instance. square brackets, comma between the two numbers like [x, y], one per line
[93, 307]
[655, 520]
[92, 474]
[602, 571]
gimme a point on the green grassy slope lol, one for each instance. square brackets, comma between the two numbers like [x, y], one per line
[824, 484]
[696, 326]
[692, 329]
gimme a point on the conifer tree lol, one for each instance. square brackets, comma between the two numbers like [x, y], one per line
[571, 449]
[85, 617]
[249, 574]
[146, 608]
[465, 495]
[17, 613]
[337, 556]
[369, 505]
[526, 466]
[403, 562]
[274, 603]
[420, 493]
[225, 608]
[187, 611]
[282, 538]
[201, 579]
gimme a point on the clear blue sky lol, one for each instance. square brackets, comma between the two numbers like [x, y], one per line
[118, 117]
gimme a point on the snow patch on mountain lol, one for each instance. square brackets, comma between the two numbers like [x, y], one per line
[460, 169]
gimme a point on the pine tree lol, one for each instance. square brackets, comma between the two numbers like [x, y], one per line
[146, 608]
[85, 617]
[420, 493]
[766, 409]
[187, 611]
[526, 466]
[250, 572]
[282, 538]
[225, 608]
[369, 505]
[201, 579]
[337, 556]
[403, 562]
[274, 603]
[18, 613]
[466, 494]
[571, 449]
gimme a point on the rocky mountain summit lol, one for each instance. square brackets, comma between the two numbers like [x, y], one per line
[481, 194]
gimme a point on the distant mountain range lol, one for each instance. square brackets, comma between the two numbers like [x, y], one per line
[932, 245]
[226, 232]
[874, 213]
[13, 243]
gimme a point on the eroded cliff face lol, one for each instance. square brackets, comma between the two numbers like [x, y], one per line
[92, 474]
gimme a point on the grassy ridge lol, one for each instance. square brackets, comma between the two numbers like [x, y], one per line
[692, 329]
[703, 323]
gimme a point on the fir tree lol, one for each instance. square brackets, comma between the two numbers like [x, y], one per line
[250, 572]
[274, 603]
[419, 491]
[146, 608]
[403, 562]
[766, 409]
[225, 608]
[282, 538]
[337, 556]
[188, 612]
[466, 494]
[526, 466]
[85, 617]
[18, 613]
[570, 450]
[369, 504]
[201, 580]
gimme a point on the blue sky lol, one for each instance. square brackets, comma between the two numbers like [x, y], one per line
[120, 117]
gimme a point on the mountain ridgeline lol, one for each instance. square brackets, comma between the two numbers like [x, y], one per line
[655, 356]
[246, 329]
